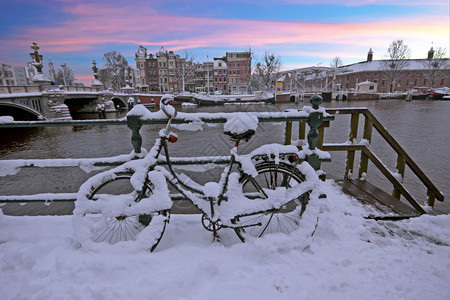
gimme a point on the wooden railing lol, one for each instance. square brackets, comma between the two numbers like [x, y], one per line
[364, 146]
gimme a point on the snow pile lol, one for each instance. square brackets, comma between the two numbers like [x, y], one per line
[6, 119]
[336, 254]
[240, 122]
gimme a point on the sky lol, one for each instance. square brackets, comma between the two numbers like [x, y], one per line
[302, 32]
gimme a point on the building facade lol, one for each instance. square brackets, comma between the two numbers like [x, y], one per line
[220, 75]
[12, 76]
[416, 74]
[167, 72]
[239, 71]
[372, 76]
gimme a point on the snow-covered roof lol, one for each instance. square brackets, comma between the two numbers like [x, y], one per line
[217, 62]
[377, 65]
[162, 51]
[367, 82]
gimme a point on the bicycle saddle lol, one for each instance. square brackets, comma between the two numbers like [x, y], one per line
[246, 135]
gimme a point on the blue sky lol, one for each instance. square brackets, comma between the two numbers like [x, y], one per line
[302, 32]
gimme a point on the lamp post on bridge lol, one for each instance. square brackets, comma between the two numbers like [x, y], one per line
[96, 83]
[37, 62]
[64, 73]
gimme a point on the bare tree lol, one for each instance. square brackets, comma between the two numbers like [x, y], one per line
[336, 62]
[65, 76]
[266, 70]
[435, 68]
[397, 60]
[186, 69]
[105, 76]
[115, 64]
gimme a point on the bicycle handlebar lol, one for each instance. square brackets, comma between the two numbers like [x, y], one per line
[165, 102]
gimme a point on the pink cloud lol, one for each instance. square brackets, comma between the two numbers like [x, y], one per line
[92, 26]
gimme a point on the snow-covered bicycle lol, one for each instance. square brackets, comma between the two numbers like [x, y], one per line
[262, 192]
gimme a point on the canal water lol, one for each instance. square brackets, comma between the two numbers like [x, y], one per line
[421, 127]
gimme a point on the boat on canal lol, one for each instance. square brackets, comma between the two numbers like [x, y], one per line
[258, 97]
[441, 93]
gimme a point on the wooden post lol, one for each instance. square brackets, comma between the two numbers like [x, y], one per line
[367, 135]
[431, 197]
[288, 133]
[135, 124]
[401, 162]
[352, 138]
[301, 130]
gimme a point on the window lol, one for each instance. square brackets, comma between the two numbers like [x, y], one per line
[442, 81]
[382, 82]
[424, 81]
[415, 81]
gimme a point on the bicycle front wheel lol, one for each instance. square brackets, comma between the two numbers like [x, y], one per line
[283, 220]
[106, 222]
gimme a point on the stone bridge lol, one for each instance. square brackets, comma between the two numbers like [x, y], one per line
[36, 103]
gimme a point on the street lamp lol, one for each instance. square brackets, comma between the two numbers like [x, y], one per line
[64, 73]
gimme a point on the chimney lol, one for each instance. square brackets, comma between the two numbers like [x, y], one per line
[431, 53]
[370, 55]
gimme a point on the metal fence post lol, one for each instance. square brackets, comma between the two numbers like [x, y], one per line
[314, 122]
[135, 124]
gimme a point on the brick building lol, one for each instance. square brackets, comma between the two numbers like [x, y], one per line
[415, 74]
[166, 72]
[427, 73]
[220, 75]
[239, 70]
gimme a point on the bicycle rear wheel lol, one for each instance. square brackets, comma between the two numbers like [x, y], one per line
[103, 225]
[284, 220]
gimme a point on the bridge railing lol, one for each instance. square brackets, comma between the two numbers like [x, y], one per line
[37, 89]
[11, 167]
[352, 145]
[316, 120]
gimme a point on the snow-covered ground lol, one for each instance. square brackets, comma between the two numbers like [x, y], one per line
[336, 254]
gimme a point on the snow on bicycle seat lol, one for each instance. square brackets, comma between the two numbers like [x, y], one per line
[241, 126]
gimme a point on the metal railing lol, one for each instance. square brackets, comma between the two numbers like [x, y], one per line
[135, 123]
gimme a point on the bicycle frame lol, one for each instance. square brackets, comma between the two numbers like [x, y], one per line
[267, 185]
[189, 191]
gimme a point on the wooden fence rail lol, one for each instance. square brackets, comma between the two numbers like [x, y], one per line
[352, 146]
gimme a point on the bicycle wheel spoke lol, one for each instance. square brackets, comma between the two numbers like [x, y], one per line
[123, 228]
[287, 218]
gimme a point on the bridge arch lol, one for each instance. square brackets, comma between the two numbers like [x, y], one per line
[119, 102]
[19, 112]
